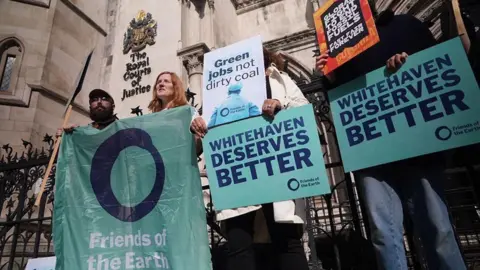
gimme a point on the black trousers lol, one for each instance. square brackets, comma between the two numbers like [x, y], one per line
[285, 238]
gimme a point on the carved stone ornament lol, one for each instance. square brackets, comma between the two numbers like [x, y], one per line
[197, 3]
[211, 3]
[192, 57]
[140, 33]
[243, 6]
[294, 40]
[40, 3]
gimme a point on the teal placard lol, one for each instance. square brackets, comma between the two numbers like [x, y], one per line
[430, 104]
[257, 161]
[129, 197]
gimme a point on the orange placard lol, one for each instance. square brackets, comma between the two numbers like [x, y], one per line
[346, 28]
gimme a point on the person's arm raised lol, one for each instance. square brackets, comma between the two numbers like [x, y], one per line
[320, 63]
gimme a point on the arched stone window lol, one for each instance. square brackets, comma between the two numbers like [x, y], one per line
[11, 54]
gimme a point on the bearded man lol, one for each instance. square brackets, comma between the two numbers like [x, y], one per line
[102, 106]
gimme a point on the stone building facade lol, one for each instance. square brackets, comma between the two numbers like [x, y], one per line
[43, 44]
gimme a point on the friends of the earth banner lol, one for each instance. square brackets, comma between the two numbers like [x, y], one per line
[234, 85]
[430, 104]
[256, 161]
[345, 28]
[129, 197]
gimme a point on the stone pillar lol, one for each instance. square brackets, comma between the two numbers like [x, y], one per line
[207, 30]
[192, 59]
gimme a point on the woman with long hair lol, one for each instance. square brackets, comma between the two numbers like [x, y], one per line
[169, 93]
[284, 220]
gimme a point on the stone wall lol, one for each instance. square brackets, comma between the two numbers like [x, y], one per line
[56, 35]
[162, 55]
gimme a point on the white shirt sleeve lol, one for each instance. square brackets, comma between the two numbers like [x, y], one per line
[195, 114]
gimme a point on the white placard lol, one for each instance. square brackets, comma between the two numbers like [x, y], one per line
[47, 263]
[234, 82]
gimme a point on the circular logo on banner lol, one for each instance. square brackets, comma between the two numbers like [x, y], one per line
[102, 165]
[293, 184]
[224, 112]
[443, 133]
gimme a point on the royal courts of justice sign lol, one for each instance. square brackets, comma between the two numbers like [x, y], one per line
[430, 104]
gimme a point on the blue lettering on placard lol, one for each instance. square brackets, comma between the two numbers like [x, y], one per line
[283, 163]
[383, 102]
[371, 107]
[407, 78]
[370, 129]
[393, 81]
[344, 102]
[427, 107]
[450, 77]
[416, 91]
[422, 91]
[302, 137]
[240, 155]
[451, 98]
[357, 112]
[262, 148]
[268, 164]
[432, 84]
[102, 165]
[250, 150]
[354, 135]
[346, 117]
[286, 162]
[276, 144]
[399, 94]
[430, 109]
[288, 140]
[387, 118]
[235, 162]
[256, 134]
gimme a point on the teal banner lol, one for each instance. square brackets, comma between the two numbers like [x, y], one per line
[430, 104]
[257, 161]
[129, 197]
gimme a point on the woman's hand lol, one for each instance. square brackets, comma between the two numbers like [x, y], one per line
[396, 61]
[68, 129]
[270, 107]
[321, 61]
[199, 127]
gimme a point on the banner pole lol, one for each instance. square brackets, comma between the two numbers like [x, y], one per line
[66, 117]
[52, 158]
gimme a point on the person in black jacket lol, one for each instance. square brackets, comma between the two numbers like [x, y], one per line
[413, 185]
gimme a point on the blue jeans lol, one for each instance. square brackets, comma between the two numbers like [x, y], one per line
[386, 190]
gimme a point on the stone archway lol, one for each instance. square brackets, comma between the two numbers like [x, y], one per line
[299, 72]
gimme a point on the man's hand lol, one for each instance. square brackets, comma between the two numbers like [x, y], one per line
[396, 61]
[68, 129]
[270, 107]
[199, 127]
[321, 61]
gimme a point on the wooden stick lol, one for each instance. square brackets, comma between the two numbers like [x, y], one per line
[460, 25]
[52, 158]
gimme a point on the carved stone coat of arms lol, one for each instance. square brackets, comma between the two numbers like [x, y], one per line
[141, 32]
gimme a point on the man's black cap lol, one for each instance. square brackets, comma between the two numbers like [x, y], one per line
[100, 93]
